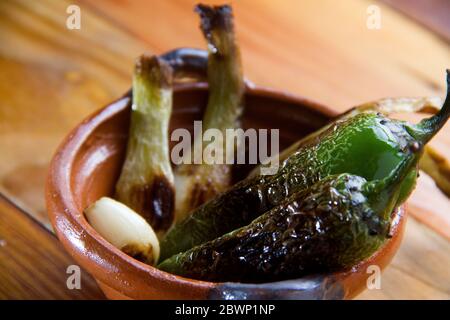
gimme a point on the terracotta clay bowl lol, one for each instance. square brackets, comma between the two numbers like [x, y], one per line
[87, 165]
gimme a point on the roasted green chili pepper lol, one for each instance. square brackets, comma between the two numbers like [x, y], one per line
[146, 180]
[198, 182]
[368, 144]
[330, 226]
[386, 106]
[432, 162]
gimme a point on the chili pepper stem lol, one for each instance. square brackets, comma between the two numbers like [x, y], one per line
[432, 125]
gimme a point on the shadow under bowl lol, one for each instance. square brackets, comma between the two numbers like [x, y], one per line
[87, 165]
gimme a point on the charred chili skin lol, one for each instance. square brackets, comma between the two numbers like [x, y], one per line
[332, 152]
[368, 144]
[330, 226]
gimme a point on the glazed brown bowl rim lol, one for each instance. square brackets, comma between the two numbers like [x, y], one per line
[70, 225]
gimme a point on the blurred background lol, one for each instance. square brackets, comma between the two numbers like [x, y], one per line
[339, 53]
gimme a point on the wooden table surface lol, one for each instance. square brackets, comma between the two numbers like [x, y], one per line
[52, 77]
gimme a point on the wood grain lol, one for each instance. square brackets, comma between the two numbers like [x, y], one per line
[33, 263]
[313, 48]
[420, 270]
[323, 51]
[53, 77]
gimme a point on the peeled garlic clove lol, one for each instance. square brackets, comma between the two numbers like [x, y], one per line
[124, 228]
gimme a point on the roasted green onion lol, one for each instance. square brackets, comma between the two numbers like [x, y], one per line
[146, 183]
[198, 182]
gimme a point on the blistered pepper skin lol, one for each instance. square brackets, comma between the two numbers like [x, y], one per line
[368, 144]
[336, 223]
